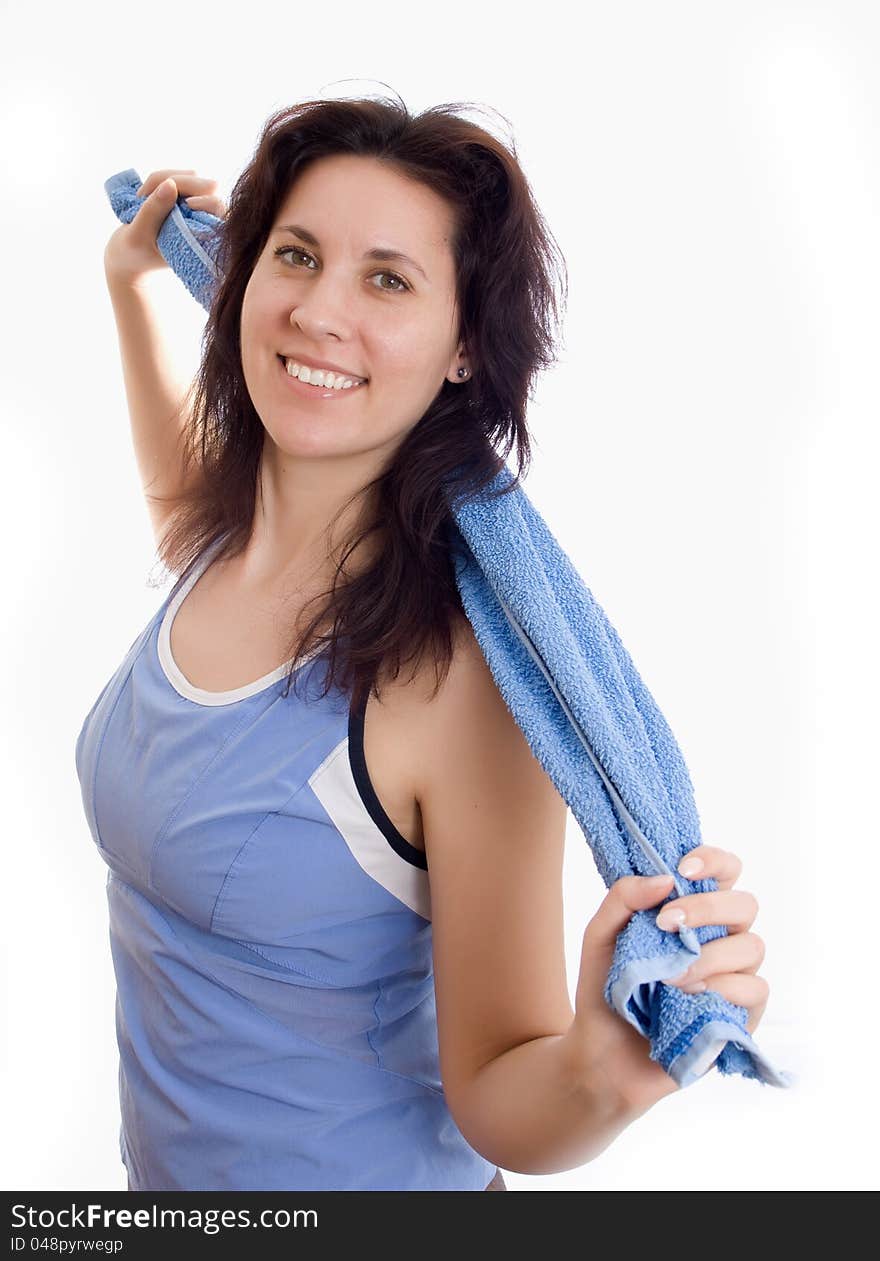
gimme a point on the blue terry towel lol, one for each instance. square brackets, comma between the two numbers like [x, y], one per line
[589, 719]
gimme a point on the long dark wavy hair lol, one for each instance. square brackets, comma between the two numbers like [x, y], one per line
[406, 601]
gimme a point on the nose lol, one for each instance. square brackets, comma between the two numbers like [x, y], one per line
[324, 310]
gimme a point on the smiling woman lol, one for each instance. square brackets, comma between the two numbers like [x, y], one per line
[271, 912]
[449, 355]
[332, 309]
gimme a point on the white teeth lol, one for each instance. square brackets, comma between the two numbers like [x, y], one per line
[319, 376]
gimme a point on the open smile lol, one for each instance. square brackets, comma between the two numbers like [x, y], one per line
[316, 392]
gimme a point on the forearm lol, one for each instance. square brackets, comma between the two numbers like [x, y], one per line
[156, 397]
[532, 1111]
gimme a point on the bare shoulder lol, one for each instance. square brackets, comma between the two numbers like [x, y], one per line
[415, 718]
[467, 666]
[467, 712]
[426, 711]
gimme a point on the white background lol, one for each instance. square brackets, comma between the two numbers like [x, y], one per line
[705, 452]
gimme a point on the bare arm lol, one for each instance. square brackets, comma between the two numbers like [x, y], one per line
[514, 1071]
[156, 398]
[531, 1110]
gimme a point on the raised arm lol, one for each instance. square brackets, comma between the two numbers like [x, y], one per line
[157, 399]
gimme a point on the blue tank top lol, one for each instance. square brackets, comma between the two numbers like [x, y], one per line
[270, 931]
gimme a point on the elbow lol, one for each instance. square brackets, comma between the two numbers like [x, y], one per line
[526, 1112]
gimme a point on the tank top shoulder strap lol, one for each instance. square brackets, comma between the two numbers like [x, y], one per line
[198, 562]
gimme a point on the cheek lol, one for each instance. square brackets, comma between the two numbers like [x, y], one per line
[412, 359]
[261, 312]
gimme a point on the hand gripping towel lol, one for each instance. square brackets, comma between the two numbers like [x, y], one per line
[588, 717]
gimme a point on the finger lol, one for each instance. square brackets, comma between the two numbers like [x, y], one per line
[751, 992]
[629, 894]
[734, 908]
[214, 205]
[723, 866]
[156, 177]
[157, 205]
[737, 952]
[186, 181]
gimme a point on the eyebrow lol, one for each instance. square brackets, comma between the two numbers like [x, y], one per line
[377, 253]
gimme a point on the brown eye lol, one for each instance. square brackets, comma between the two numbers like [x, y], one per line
[290, 249]
[393, 276]
[293, 249]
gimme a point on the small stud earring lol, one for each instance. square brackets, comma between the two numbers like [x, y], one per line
[462, 372]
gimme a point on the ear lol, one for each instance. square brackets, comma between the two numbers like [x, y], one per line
[460, 359]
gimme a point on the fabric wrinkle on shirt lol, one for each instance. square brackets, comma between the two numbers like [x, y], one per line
[270, 931]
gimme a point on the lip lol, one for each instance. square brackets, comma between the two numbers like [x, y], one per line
[328, 367]
[314, 392]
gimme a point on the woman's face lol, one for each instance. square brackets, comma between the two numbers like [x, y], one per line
[315, 292]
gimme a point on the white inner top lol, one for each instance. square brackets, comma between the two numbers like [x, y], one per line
[178, 679]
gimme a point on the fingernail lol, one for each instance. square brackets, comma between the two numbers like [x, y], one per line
[670, 919]
[690, 866]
